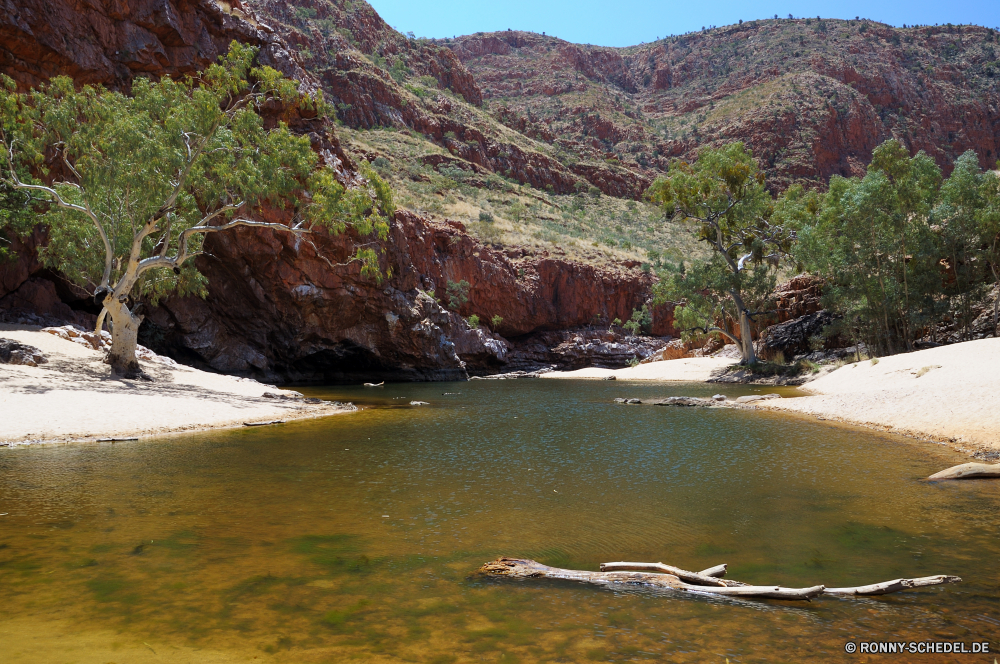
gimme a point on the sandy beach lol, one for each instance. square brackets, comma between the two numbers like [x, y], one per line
[950, 393]
[693, 369]
[72, 397]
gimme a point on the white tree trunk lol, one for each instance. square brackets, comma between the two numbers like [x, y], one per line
[124, 337]
[746, 333]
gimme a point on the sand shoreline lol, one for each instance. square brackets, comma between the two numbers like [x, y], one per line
[949, 394]
[73, 399]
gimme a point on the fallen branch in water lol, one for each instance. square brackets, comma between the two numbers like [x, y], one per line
[968, 471]
[262, 424]
[718, 570]
[893, 586]
[696, 578]
[707, 581]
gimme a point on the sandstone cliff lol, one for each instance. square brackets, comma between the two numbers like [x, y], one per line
[811, 97]
[278, 307]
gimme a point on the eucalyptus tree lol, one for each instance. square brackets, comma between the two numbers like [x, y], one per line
[129, 186]
[871, 239]
[722, 195]
[966, 219]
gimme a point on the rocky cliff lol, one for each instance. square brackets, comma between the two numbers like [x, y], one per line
[278, 307]
[811, 97]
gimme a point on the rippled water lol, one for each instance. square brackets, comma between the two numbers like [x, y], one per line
[356, 537]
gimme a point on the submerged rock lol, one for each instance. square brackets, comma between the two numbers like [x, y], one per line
[757, 397]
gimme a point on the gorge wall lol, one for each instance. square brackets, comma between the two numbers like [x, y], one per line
[279, 307]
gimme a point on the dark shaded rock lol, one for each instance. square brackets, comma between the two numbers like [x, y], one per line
[795, 336]
[567, 350]
[14, 352]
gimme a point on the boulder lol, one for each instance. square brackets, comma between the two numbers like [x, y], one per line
[14, 352]
[796, 336]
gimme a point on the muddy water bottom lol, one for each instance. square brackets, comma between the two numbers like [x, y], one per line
[355, 538]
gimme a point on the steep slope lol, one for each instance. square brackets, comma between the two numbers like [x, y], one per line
[379, 78]
[812, 97]
[277, 307]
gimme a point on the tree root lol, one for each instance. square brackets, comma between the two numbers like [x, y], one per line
[707, 581]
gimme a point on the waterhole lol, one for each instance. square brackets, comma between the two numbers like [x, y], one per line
[356, 537]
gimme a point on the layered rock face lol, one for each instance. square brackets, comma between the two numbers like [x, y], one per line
[812, 98]
[110, 41]
[357, 58]
[276, 308]
[282, 308]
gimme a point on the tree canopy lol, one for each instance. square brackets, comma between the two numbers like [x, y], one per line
[137, 181]
[722, 194]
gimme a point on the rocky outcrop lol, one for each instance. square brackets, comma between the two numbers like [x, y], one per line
[112, 42]
[811, 98]
[14, 352]
[277, 310]
[285, 309]
[796, 337]
[567, 350]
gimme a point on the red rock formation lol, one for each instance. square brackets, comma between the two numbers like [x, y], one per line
[812, 98]
[110, 42]
[276, 308]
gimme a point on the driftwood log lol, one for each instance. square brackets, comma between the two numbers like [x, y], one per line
[706, 581]
[968, 471]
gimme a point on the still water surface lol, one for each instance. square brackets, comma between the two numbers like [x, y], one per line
[355, 538]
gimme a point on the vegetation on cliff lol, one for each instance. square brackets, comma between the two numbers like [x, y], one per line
[723, 195]
[129, 186]
[900, 249]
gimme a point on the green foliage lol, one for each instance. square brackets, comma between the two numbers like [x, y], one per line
[473, 321]
[457, 293]
[871, 239]
[146, 176]
[305, 13]
[485, 217]
[518, 210]
[722, 195]
[641, 321]
[496, 322]
[398, 70]
[17, 217]
[967, 223]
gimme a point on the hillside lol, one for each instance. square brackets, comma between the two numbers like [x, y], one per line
[812, 97]
[283, 311]
[551, 138]
[415, 111]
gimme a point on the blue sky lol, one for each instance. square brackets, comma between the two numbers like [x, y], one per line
[627, 22]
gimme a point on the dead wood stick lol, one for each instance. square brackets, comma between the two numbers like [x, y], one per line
[967, 471]
[893, 586]
[530, 569]
[768, 592]
[697, 578]
[717, 571]
[262, 424]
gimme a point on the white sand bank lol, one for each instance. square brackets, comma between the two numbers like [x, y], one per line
[695, 369]
[73, 397]
[949, 393]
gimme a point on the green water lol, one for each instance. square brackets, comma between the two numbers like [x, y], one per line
[355, 538]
